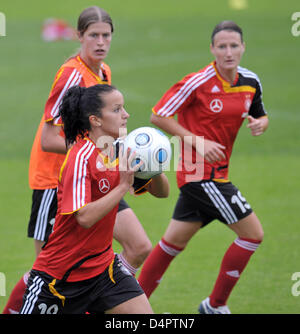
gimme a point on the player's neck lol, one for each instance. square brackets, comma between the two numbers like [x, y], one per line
[102, 141]
[93, 65]
[228, 75]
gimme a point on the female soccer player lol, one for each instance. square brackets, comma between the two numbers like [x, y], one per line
[87, 68]
[211, 105]
[77, 270]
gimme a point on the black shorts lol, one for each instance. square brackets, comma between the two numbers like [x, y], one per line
[45, 295]
[43, 211]
[206, 201]
[123, 205]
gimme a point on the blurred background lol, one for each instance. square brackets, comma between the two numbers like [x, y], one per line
[154, 45]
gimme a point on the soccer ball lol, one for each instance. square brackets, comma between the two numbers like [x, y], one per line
[152, 147]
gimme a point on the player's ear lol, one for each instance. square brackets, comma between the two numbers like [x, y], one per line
[95, 121]
[79, 36]
[243, 47]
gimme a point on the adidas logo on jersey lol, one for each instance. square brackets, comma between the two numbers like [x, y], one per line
[215, 89]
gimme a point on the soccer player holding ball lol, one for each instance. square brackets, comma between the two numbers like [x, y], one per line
[210, 105]
[77, 270]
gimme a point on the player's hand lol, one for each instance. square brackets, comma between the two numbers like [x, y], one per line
[255, 125]
[127, 167]
[213, 151]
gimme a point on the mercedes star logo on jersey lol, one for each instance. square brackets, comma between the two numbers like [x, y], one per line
[104, 186]
[216, 105]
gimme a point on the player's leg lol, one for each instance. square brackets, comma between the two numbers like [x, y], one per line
[43, 210]
[249, 228]
[250, 234]
[136, 305]
[173, 242]
[129, 232]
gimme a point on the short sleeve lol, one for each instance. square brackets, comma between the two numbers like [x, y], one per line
[177, 98]
[139, 185]
[75, 184]
[257, 108]
[65, 78]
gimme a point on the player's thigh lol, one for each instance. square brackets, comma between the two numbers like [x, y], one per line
[248, 227]
[179, 233]
[128, 231]
[136, 305]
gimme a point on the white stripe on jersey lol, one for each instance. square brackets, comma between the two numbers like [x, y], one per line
[80, 175]
[73, 80]
[184, 92]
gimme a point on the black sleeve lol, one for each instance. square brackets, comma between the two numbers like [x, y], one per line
[257, 107]
[139, 185]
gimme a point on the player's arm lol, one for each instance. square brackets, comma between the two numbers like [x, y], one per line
[94, 211]
[159, 186]
[90, 214]
[258, 121]
[212, 151]
[51, 140]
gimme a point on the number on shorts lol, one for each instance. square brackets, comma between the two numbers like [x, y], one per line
[53, 309]
[240, 201]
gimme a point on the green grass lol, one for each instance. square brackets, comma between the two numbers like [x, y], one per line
[155, 44]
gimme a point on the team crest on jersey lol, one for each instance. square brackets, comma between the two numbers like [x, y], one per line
[216, 105]
[104, 186]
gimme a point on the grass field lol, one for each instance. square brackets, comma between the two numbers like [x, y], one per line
[155, 44]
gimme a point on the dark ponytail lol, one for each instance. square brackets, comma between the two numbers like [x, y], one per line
[77, 105]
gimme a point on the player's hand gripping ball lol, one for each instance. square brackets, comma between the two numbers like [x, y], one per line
[152, 147]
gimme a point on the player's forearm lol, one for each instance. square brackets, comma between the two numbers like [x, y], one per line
[90, 214]
[159, 186]
[51, 140]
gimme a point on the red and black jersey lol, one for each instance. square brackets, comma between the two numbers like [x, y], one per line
[73, 252]
[208, 106]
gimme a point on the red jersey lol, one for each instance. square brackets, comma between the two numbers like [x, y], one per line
[44, 166]
[208, 106]
[83, 179]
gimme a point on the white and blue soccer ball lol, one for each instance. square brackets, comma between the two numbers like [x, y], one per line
[152, 147]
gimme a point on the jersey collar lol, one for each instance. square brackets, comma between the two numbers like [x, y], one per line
[225, 83]
[97, 77]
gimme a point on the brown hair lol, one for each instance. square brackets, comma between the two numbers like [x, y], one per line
[226, 25]
[92, 15]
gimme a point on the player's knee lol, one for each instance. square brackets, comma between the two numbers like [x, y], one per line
[141, 251]
[260, 236]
